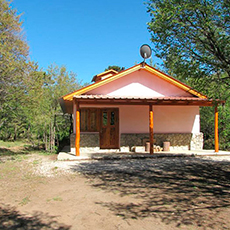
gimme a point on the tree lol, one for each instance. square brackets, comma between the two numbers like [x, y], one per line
[192, 37]
[13, 67]
[29, 105]
[46, 124]
[115, 67]
[13, 49]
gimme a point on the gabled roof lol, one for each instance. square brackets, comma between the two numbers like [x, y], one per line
[171, 80]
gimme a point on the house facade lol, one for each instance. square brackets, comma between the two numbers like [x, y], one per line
[138, 105]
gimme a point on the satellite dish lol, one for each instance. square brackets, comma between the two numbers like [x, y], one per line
[145, 51]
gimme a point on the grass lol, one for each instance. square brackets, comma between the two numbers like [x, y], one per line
[9, 170]
[44, 153]
[12, 157]
[14, 148]
[19, 157]
[36, 162]
[25, 201]
[57, 198]
[10, 144]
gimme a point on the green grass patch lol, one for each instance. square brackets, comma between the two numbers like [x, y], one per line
[57, 198]
[36, 162]
[19, 157]
[9, 148]
[24, 201]
[44, 153]
[10, 144]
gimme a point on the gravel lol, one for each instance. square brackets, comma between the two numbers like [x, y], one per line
[49, 168]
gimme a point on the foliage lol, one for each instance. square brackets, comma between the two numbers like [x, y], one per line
[29, 106]
[46, 122]
[43, 122]
[193, 39]
[13, 67]
[216, 90]
[13, 49]
[115, 67]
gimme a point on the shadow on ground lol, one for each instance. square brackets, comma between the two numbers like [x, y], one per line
[10, 218]
[179, 191]
[12, 152]
[6, 152]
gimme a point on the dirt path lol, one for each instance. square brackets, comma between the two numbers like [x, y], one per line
[38, 192]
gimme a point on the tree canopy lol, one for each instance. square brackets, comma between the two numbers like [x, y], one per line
[13, 65]
[13, 49]
[192, 36]
[193, 39]
[29, 107]
[115, 67]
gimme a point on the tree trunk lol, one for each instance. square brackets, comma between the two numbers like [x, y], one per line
[46, 145]
[71, 125]
[54, 130]
[15, 132]
[50, 136]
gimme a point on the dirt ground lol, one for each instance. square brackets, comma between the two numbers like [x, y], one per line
[38, 192]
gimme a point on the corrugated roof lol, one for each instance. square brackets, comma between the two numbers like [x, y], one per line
[96, 96]
[122, 100]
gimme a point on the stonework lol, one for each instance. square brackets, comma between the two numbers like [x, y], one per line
[88, 142]
[182, 141]
[178, 141]
[197, 141]
[132, 139]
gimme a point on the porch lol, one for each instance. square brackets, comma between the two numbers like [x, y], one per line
[108, 122]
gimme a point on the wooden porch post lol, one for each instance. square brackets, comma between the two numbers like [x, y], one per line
[77, 129]
[74, 117]
[216, 130]
[151, 128]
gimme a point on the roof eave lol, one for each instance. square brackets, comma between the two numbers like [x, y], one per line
[102, 99]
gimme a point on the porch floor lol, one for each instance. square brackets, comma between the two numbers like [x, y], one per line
[65, 154]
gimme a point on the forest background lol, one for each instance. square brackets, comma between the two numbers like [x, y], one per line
[192, 39]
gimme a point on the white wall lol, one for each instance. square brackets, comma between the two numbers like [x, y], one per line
[167, 119]
[140, 84]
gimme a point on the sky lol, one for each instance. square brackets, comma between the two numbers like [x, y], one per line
[85, 36]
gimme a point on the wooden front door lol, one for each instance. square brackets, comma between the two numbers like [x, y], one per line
[109, 133]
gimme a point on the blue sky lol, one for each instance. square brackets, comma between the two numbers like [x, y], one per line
[85, 36]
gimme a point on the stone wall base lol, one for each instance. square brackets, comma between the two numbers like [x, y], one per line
[197, 141]
[89, 142]
[180, 141]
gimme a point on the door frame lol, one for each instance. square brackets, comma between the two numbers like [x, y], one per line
[117, 127]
